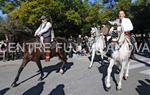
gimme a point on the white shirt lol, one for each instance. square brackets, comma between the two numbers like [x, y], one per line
[126, 25]
[44, 27]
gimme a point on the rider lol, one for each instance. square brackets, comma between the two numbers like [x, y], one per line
[104, 31]
[126, 25]
[46, 34]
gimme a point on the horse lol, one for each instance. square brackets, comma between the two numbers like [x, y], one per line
[11, 55]
[89, 43]
[3, 49]
[119, 56]
[97, 46]
[34, 54]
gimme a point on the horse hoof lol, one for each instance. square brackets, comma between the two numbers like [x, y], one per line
[125, 77]
[108, 88]
[14, 84]
[119, 89]
[61, 71]
[41, 78]
[89, 67]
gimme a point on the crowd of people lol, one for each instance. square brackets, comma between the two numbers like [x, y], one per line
[78, 46]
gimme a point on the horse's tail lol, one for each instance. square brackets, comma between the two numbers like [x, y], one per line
[61, 53]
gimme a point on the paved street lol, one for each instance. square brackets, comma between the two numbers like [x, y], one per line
[77, 80]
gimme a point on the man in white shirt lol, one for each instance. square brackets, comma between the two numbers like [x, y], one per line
[46, 33]
[125, 24]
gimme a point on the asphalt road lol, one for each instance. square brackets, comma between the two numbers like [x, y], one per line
[77, 80]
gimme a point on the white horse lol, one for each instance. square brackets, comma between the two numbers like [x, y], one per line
[98, 45]
[90, 43]
[121, 57]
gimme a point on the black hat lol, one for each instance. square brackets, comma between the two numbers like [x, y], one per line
[115, 24]
[43, 17]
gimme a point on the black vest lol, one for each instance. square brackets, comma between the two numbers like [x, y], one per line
[47, 33]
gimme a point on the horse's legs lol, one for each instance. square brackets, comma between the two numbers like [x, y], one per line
[38, 62]
[102, 57]
[24, 63]
[63, 57]
[109, 70]
[126, 74]
[121, 75]
[62, 66]
[13, 56]
[92, 59]
[7, 56]
[4, 56]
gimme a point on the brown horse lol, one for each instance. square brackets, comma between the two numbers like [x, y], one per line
[35, 55]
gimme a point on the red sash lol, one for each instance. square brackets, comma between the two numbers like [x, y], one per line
[127, 33]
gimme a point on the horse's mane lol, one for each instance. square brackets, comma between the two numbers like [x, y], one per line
[22, 36]
[25, 34]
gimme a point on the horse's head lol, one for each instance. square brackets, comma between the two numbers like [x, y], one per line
[20, 36]
[10, 37]
[115, 30]
[92, 30]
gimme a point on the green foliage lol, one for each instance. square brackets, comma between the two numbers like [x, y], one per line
[71, 17]
[141, 17]
[9, 5]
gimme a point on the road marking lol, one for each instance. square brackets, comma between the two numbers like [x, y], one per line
[146, 72]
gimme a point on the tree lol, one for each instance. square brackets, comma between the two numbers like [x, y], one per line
[9, 5]
[141, 17]
[69, 17]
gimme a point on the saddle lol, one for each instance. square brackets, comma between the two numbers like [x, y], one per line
[46, 48]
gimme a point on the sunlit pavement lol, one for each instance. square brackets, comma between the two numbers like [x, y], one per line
[77, 80]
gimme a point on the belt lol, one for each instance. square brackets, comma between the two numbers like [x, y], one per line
[127, 33]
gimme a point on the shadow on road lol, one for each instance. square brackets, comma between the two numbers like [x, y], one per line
[35, 90]
[49, 69]
[59, 90]
[97, 58]
[103, 69]
[27, 79]
[56, 68]
[3, 91]
[145, 54]
[144, 87]
[145, 63]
